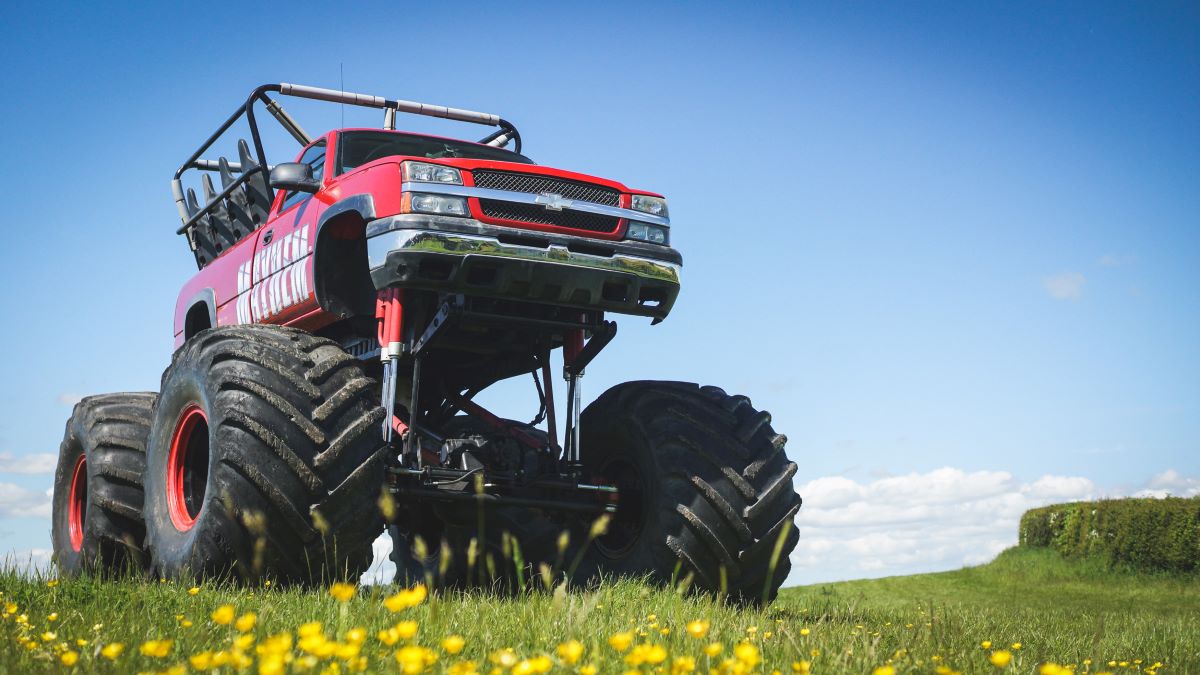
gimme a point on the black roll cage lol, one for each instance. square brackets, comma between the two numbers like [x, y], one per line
[258, 163]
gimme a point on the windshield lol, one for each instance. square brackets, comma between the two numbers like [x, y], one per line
[356, 148]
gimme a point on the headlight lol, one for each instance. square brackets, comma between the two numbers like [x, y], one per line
[653, 205]
[422, 172]
[655, 234]
[438, 205]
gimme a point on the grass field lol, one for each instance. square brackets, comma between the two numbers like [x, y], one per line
[1029, 611]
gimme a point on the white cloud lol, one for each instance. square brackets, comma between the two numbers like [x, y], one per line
[33, 463]
[1065, 286]
[919, 522]
[30, 561]
[1171, 483]
[16, 501]
[1111, 260]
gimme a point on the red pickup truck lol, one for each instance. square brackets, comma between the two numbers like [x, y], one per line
[349, 306]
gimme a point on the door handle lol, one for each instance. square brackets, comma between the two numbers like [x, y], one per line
[267, 236]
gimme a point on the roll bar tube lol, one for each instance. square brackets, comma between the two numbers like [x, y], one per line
[391, 107]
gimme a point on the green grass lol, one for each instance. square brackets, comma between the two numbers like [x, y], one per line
[1059, 611]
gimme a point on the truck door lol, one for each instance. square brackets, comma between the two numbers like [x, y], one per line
[281, 278]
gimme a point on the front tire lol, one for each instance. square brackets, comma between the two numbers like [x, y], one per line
[97, 506]
[266, 459]
[705, 488]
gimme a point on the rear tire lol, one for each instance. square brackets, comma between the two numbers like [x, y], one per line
[97, 506]
[705, 488]
[266, 459]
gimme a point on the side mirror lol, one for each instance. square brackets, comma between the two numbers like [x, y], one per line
[294, 176]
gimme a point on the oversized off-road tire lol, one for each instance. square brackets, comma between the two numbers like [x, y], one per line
[266, 459]
[705, 488]
[97, 507]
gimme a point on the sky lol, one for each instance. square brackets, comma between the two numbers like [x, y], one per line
[954, 248]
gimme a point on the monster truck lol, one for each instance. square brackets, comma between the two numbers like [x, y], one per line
[349, 307]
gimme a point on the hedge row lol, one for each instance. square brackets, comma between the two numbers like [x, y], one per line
[1151, 534]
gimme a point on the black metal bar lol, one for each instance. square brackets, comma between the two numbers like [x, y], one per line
[219, 198]
[258, 146]
[599, 340]
[225, 127]
[504, 500]
[445, 312]
[412, 445]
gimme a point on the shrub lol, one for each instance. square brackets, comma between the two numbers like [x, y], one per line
[1150, 534]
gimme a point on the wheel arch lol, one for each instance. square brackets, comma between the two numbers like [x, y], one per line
[341, 274]
[201, 313]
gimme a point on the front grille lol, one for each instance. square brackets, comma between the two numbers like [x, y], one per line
[524, 182]
[531, 213]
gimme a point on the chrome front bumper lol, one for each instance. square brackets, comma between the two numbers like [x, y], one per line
[466, 256]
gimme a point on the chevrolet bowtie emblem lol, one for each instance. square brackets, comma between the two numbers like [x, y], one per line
[553, 202]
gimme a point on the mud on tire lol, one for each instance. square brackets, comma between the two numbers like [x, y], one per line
[705, 487]
[266, 459]
[97, 507]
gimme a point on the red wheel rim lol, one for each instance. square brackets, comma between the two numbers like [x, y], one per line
[187, 468]
[77, 503]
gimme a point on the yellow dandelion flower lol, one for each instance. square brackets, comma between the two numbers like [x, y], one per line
[186, 623]
[156, 648]
[49, 636]
[570, 652]
[406, 629]
[1051, 669]
[683, 664]
[464, 668]
[310, 629]
[69, 657]
[620, 641]
[202, 661]
[713, 649]
[272, 664]
[986, 644]
[342, 592]
[223, 615]
[388, 636]
[1000, 658]
[805, 631]
[801, 667]
[589, 669]
[112, 651]
[80, 642]
[245, 623]
[748, 654]
[194, 590]
[52, 583]
[884, 670]
[698, 628]
[243, 641]
[52, 617]
[505, 658]
[402, 600]
[453, 644]
[414, 659]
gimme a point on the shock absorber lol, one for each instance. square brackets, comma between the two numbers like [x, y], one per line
[572, 346]
[389, 313]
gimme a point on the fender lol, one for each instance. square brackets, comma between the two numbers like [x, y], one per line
[340, 289]
[189, 325]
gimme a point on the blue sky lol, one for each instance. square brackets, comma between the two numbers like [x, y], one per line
[928, 237]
